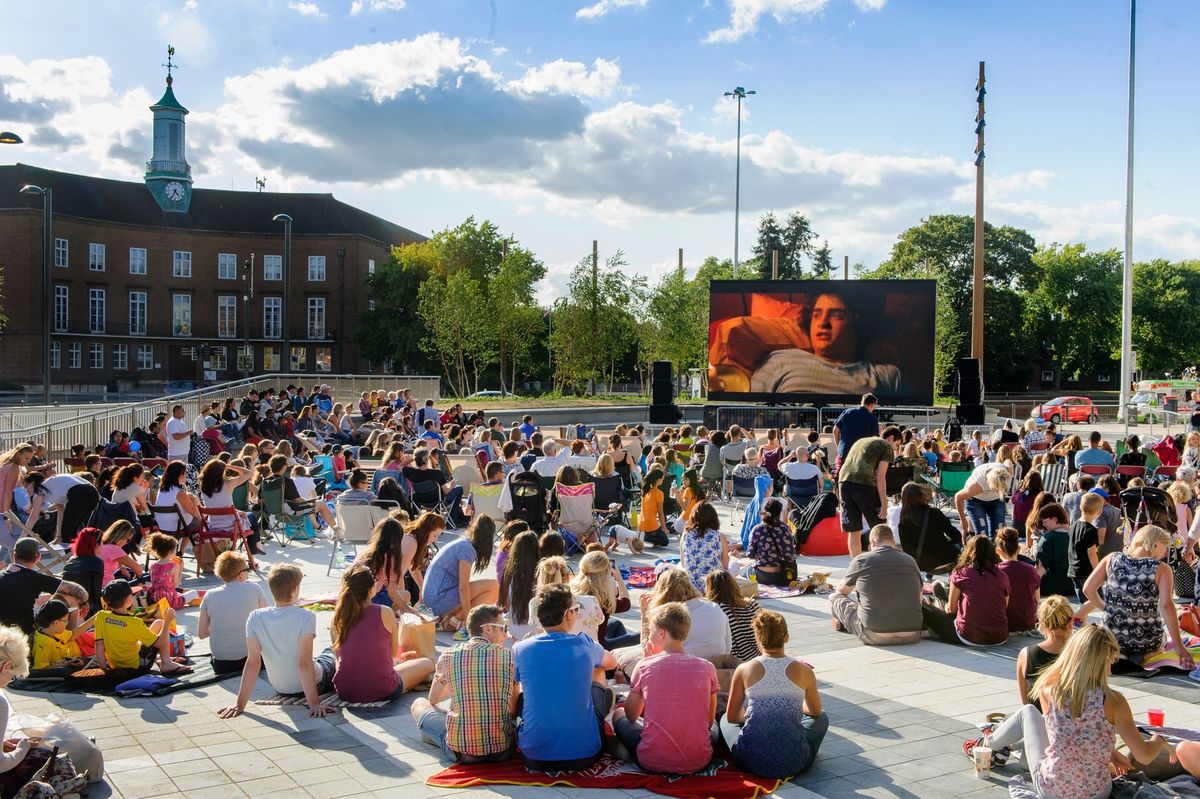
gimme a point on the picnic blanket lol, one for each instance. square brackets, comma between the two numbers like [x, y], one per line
[105, 685]
[1167, 659]
[719, 781]
[330, 699]
[778, 591]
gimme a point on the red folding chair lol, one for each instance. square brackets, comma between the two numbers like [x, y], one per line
[1129, 471]
[1095, 470]
[234, 535]
[1165, 472]
[156, 465]
[122, 462]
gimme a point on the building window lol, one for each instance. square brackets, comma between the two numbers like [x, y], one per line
[181, 314]
[137, 313]
[370, 266]
[121, 356]
[272, 317]
[55, 355]
[245, 356]
[227, 266]
[316, 317]
[74, 355]
[299, 359]
[226, 316]
[272, 267]
[316, 267]
[181, 264]
[218, 360]
[96, 257]
[145, 356]
[370, 305]
[323, 362]
[61, 251]
[137, 260]
[96, 303]
[62, 304]
[96, 356]
[270, 359]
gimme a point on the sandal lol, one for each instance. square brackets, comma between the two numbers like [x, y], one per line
[999, 756]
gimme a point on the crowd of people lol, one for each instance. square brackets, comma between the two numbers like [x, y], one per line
[541, 661]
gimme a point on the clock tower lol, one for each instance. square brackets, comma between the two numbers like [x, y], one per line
[168, 176]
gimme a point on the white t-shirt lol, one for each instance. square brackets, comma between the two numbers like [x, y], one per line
[278, 631]
[306, 486]
[710, 635]
[169, 522]
[548, 465]
[793, 470]
[177, 450]
[979, 477]
[229, 606]
[56, 488]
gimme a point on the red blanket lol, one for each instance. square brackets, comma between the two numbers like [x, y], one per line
[719, 781]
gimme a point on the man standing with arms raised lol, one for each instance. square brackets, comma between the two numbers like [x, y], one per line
[862, 484]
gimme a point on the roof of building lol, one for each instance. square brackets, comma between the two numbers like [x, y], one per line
[168, 101]
[124, 202]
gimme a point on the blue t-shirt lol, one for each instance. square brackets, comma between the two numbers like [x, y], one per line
[558, 721]
[853, 424]
[441, 579]
[527, 430]
[930, 458]
[435, 435]
[1094, 456]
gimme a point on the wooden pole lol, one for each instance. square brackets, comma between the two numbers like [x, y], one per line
[977, 289]
[774, 264]
[846, 267]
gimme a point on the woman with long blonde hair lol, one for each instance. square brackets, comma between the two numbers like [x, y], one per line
[12, 462]
[710, 636]
[1069, 747]
[598, 579]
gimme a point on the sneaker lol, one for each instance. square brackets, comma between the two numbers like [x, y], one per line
[462, 635]
[941, 592]
[999, 756]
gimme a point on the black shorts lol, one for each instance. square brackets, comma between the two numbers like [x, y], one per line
[860, 503]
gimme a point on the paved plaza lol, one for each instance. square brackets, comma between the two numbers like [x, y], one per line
[898, 717]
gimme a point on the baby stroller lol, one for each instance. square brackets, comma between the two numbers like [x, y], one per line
[528, 500]
[1146, 505]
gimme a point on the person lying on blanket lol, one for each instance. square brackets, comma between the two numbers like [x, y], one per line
[125, 641]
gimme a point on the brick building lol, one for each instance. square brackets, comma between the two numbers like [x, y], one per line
[151, 282]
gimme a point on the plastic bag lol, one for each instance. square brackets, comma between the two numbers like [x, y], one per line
[58, 730]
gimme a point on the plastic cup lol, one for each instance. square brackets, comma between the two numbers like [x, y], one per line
[983, 762]
[1155, 716]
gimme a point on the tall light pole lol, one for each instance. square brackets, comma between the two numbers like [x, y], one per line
[247, 296]
[740, 93]
[1127, 272]
[286, 362]
[8, 137]
[977, 277]
[47, 307]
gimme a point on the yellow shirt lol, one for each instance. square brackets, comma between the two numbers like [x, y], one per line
[652, 502]
[49, 649]
[123, 637]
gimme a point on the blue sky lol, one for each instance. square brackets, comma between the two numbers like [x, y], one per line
[568, 120]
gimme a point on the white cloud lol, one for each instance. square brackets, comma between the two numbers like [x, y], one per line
[602, 7]
[306, 9]
[745, 14]
[571, 77]
[358, 6]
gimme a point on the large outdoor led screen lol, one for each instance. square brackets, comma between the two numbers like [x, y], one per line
[821, 341]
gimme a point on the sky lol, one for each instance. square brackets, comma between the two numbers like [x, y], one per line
[565, 121]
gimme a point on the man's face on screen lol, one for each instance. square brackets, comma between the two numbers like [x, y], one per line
[832, 328]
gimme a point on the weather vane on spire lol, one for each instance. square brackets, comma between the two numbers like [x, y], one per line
[170, 64]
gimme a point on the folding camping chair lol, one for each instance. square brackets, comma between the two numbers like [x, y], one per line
[284, 521]
[178, 531]
[1095, 470]
[486, 501]
[234, 535]
[427, 495]
[383, 474]
[743, 491]
[575, 520]
[355, 524]
[55, 559]
[1054, 477]
[329, 473]
[948, 482]
[897, 477]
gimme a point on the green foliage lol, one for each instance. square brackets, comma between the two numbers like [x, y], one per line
[793, 240]
[455, 317]
[393, 331]
[1166, 331]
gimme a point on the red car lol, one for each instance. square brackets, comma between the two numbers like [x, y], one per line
[1066, 409]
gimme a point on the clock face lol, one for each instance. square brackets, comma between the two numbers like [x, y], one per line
[174, 191]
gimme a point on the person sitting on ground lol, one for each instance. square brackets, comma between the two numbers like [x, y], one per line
[21, 584]
[722, 589]
[449, 590]
[281, 638]
[225, 609]
[976, 607]
[518, 582]
[561, 708]
[55, 643]
[115, 546]
[925, 532]
[1085, 540]
[599, 581]
[371, 667]
[1024, 498]
[1068, 747]
[774, 723]
[85, 567]
[710, 636]
[888, 583]
[771, 547]
[478, 678]
[1054, 617]
[676, 693]
[125, 642]
[1023, 580]
[1138, 597]
[167, 572]
[703, 548]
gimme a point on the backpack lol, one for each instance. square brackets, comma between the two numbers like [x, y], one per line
[952, 431]
[528, 500]
[805, 519]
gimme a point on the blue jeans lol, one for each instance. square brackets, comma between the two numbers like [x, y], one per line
[987, 516]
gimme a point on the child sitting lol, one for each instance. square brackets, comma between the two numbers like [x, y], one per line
[125, 641]
[55, 646]
[166, 572]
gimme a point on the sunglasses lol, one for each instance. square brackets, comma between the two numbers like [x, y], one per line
[497, 625]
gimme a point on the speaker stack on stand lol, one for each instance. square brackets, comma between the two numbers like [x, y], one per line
[663, 409]
[970, 408]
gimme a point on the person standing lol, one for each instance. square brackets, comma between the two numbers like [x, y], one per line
[862, 484]
[179, 435]
[853, 424]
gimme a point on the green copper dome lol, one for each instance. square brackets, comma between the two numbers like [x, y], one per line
[168, 101]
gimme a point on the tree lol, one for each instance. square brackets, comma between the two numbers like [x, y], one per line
[515, 319]
[793, 240]
[455, 317]
[1074, 309]
[947, 241]
[392, 332]
[1166, 331]
[822, 261]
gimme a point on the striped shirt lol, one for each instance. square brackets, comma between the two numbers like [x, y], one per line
[480, 677]
[741, 625]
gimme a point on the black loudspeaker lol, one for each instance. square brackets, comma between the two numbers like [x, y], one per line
[662, 392]
[663, 370]
[668, 413]
[970, 383]
[970, 414]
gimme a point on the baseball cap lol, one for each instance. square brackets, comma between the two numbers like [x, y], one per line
[1100, 491]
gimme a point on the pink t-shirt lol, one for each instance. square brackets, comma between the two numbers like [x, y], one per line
[110, 554]
[982, 614]
[676, 687]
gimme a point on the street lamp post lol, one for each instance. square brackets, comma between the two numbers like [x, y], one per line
[47, 308]
[8, 137]
[740, 93]
[286, 361]
[247, 296]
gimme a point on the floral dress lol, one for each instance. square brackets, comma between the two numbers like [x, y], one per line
[700, 553]
[1076, 762]
[162, 584]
